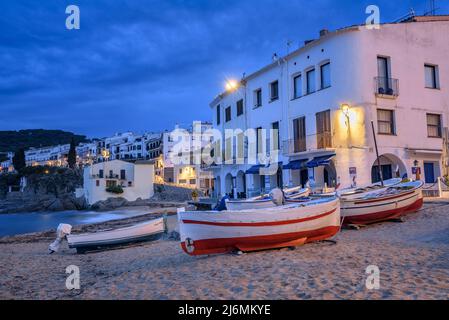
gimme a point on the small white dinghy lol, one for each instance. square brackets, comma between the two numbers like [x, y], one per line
[147, 231]
[265, 201]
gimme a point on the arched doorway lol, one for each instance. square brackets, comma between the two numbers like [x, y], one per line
[391, 166]
[241, 185]
[330, 175]
[229, 185]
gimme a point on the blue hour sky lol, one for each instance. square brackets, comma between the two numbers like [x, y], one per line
[145, 65]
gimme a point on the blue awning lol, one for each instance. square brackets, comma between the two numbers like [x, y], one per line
[296, 165]
[320, 161]
[254, 169]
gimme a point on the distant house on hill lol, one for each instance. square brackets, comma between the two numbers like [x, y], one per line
[118, 179]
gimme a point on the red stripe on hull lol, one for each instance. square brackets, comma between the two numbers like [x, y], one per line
[383, 215]
[217, 246]
[258, 224]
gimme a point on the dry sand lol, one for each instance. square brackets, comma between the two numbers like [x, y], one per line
[413, 258]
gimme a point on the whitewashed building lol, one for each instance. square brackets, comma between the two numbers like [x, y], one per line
[188, 173]
[323, 96]
[135, 179]
[47, 156]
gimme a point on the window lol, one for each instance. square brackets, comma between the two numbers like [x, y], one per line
[228, 149]
[218, 114]
[101, 174]
[323, 127]
[182, 181]
[241, 146]
[434, 125]
[325, 75]
[123, 174]
[180, 171]
[228, 114]
[192, 181]
[310, 81]
[297, 86]
[299, 135]
[275, 136]
[274, 90]
[97, 183]
[383, 73]
[259, 146]
[239, 107]
[111, 183]
[258, 98]
[385, 121]
[431, 76]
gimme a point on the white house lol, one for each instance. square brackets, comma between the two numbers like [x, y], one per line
[135, 179]
[323, 97]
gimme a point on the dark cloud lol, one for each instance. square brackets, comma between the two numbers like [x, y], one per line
[146, 65]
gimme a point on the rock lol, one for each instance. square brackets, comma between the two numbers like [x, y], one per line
[57, 205]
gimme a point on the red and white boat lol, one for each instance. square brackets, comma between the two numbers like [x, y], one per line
[265, 201]
[383, 204]
[259, 229]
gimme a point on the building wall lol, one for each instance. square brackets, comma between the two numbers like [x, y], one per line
[138, 183]
[353, 56]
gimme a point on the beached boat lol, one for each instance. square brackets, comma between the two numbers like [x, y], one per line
[147, 231]
[265, 201]
[258, 229]
[382, 204]
[367, 188]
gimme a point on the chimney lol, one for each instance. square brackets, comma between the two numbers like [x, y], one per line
[323, 32]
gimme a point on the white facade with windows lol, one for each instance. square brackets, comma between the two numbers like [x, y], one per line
[323, 97]
[135, 179]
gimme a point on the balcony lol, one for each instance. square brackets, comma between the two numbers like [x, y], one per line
[386, 87]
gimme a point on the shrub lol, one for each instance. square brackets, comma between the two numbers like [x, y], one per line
[115, 189]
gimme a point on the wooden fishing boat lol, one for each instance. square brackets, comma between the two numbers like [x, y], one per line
[259, 229]
[264, 201]
[147, 231]
[381, 204]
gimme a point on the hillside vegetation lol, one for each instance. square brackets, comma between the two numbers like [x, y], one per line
[14, 140]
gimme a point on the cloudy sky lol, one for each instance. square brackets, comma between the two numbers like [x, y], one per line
[145, 65]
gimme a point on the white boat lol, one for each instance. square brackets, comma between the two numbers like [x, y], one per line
[147, 231]
[259, 229]
[381, 204]
[265, 201]
[367, 188]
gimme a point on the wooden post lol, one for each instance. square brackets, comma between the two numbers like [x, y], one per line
[377, 155]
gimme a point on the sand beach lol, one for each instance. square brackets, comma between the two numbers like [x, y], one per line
[413, 259]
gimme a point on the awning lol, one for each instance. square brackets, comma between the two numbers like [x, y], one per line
[296, 165]
[254, 169]
[320, 161]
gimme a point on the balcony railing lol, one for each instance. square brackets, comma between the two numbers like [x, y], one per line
[386, 87]
[294, 146]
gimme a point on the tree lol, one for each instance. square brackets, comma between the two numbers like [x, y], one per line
[19, 160]
[71, 159]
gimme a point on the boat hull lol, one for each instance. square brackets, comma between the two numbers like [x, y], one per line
[143, 232]
[368, 211]
[251, 230]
